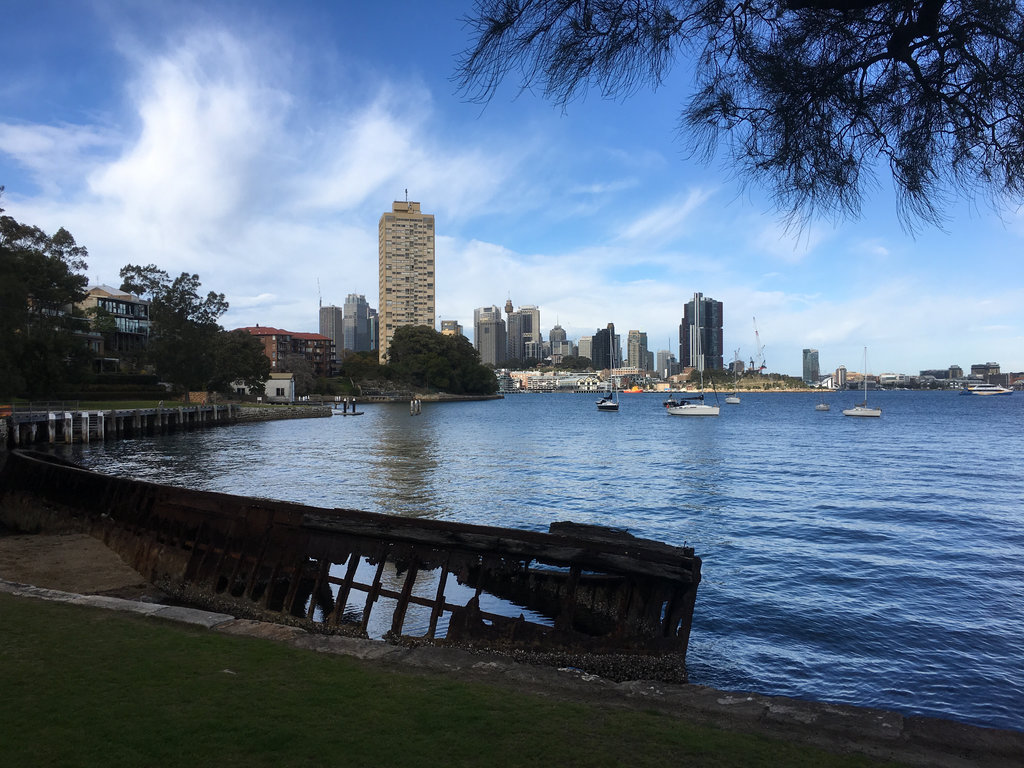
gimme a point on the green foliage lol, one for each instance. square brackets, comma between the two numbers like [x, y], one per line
[239, 357]
[364, 366]
[187, 346]
[423, 357]
[574, 363]
[39, 283]
[810, 97]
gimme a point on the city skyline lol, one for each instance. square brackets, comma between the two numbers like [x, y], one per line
[256, 145]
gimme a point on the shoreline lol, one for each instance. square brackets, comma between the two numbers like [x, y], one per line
[841, 728]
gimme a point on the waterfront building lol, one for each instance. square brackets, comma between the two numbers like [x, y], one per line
[701, 329]
[811, 370]
[489, 335]
[839, 377]
[636, 350]
[356, 324]
[332, 325]
[127, 326]
[279, 345]
[405, 271]
[451, 328]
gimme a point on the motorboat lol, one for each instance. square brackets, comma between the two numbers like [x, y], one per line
[985, 390]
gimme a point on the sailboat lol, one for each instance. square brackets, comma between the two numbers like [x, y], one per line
[695, 406]
[609, 402]
[862, 409]
[734, 398]
[822, 406]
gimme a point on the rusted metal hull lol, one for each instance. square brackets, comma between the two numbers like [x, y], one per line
[585, 588]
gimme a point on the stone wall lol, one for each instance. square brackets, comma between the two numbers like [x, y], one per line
[274, 412]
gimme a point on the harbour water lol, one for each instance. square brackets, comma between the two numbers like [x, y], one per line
[875, 562]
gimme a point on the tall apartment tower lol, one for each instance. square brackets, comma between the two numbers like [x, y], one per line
[700, 334]
[405, 270]
[636, 350]
[356, 324]
[331, 322]
[489, 336]
[812, 373]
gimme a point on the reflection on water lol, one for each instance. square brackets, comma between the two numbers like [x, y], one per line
[405, 450]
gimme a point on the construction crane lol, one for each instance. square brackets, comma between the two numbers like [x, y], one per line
[759, 367]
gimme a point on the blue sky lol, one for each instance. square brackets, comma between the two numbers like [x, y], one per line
[257, 144]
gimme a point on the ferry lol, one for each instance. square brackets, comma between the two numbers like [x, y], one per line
[985, 389]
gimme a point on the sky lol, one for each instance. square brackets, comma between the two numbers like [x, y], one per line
[258, 143]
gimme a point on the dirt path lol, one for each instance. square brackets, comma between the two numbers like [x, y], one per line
[74, 562]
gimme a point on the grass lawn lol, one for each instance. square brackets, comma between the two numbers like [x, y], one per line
[88, 687]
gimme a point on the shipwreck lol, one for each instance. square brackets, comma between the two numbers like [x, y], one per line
[576, 591]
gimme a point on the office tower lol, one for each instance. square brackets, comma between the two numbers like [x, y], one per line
[331, 322]
[585, 348]
[523, 327]
[666, 363]
[451, 328]
[636, 350]
[357, 323]
[811, 371]
[489, 335]
[406, 270]
[557, 334]
[603, 352]
[839, 378]
[700, 334]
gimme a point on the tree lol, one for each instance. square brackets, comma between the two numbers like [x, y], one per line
[239, 357]
[41, 354]
[807, 95]
[423, 357]
[302, 370]
[187, 346]
[575, 363]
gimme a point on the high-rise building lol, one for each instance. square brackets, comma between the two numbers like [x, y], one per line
[700, 334]
[373, 322]
[636, 350]
[451, 328]
[586, 348]
[523, 328]
[331, 324]
[811, 371]
[405, 270]
[666, 363]
[489, 336]
[357, 323]
[603, 349]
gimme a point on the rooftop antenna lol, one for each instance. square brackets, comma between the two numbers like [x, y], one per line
[319, 298]
[407, 194]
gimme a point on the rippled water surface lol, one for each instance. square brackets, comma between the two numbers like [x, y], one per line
[877, 562]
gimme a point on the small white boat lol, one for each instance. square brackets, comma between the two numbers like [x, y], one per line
[822, 406]
[732, 399]
[863, 409]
